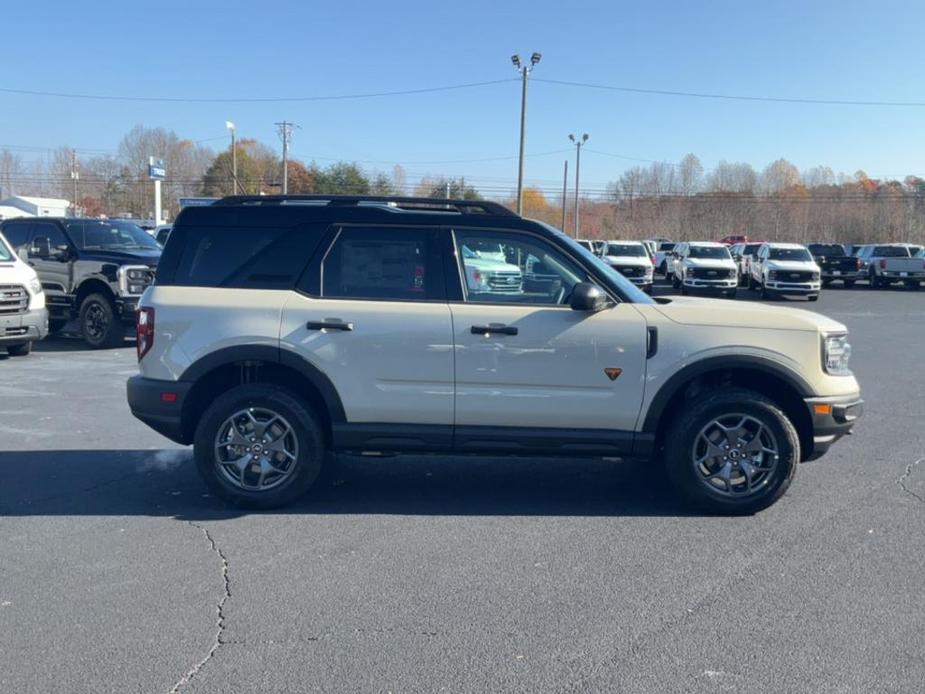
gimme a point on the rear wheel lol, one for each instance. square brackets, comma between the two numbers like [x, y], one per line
[259, 446]
[20, 350]
[732, 452]
[98, 323]
[849, 284]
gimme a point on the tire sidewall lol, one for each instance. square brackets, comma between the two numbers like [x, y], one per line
[305, 426]
[681, 439]
[114, 332]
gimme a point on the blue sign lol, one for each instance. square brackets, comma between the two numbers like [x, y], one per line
[195, 202]
[156, 170]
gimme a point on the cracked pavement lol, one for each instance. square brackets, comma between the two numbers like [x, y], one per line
[118, 573]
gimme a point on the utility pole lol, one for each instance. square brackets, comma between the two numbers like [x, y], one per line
[524, 71]
[234, 158]
[285, 132]
[578, 143]
[564, 193]
[75, 176]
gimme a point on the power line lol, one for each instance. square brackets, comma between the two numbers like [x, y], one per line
[734, 97]
[252, 100]
[433, 161]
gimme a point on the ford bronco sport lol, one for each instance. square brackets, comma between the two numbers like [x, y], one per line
[281, 328]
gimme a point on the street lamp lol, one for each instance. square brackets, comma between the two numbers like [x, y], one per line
[524, 71]
[578, 143]
[234, 157]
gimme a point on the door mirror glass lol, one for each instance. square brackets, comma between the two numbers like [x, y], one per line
[588, 297]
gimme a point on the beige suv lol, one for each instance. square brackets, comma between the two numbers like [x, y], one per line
[281, 328]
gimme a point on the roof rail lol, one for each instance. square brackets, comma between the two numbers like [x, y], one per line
[403, 203]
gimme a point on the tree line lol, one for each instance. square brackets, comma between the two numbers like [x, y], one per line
[679, 200]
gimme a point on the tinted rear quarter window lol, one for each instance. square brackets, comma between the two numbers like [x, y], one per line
[17, 233]
[891, 252]
[237, 257]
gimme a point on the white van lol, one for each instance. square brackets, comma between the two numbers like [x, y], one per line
[23, 316]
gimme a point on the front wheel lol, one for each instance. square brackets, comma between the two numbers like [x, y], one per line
[20, 350]
[766, 293]
[98, 323]
[751, 283]
[259, 446]
[813, 297]
[732, 452]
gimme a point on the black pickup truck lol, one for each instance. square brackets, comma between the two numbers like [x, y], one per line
[835, 263]
[91, 269]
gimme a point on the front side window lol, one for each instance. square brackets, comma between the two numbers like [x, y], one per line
[397, 264]
[508, 267]
[50, 232]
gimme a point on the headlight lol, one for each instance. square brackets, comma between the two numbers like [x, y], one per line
[816, 276]
[835, 354]
[35, 286]
[133, 280]
[772, 274]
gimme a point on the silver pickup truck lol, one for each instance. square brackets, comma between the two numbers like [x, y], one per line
[892, 262]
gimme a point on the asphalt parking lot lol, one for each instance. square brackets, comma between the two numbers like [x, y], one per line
[118, 573]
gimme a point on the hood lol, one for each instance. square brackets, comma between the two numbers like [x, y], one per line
[628, 260]
[718, 263]
[16, 271]
[140, 256]
[795, 265]
[736, 314]
[490, 265]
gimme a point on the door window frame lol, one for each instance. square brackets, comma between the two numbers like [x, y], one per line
[311, 283]
[455, 273]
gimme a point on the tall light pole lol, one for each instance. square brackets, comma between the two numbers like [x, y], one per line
[578, 143]
[285, 133]
[234, 158]
[564, 193]
[524, 71]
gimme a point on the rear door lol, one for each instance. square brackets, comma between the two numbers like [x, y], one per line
[372, 316]
[528, 367]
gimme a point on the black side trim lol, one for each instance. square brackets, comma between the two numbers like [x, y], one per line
[144, 399]
[732, 361]
[268, 354]
[652, 343]
[542, 441]
[392, 437]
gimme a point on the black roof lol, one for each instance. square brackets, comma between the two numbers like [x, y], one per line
[391, 202]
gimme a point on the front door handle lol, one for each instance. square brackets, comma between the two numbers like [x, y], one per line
[329, 324]
[494, 328]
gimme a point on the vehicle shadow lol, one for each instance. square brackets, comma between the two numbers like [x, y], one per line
[72, 342]
[165, 483]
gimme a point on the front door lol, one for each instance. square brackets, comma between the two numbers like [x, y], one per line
[525, 359]
[47, 254]
[378, 325]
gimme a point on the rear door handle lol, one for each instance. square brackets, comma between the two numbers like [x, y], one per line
[329, 324]
[494, 328]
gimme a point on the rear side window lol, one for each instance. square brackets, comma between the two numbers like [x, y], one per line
[241, 257]
[394, 263]
[891, 252]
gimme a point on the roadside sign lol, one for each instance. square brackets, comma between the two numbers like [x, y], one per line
[156, 170]
[195, 202]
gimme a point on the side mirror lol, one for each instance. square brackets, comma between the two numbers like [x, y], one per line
[62, 253]
[588, 297]
[40, 247]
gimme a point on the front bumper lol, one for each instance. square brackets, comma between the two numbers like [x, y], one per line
[644, 281]
[24, 327]
[127, 306]
[794, 287]
[832, 418]
[159, 404]
[718, 285]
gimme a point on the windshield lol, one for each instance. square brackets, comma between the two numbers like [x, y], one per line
[110, 235]
[630, 249]
[829, 249]
[5, 252]
[666, 246]
[616, 280]
[717, 252]
[789, 254]
[890, 252]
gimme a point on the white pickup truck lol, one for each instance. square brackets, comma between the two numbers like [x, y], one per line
[892, 262]
[784, 269]
[23, 316]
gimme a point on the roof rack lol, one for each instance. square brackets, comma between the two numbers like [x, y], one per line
[402, 203]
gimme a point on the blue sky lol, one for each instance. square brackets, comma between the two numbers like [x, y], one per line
[819, 49]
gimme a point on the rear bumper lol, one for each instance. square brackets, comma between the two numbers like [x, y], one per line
[24, 327]
[159, 404]
[832, 418]
[842, 275]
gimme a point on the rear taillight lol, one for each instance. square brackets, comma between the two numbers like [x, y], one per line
[882, 264]
[858, 264]
[144, 330]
